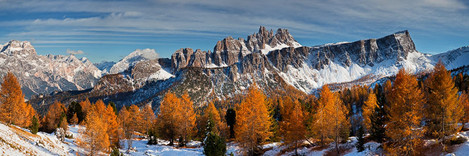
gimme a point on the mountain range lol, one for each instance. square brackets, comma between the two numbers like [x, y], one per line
[274, 61]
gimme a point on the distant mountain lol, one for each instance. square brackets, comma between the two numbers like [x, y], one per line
[105, 66]
[45, 74]
[133, 58]
[273, 61]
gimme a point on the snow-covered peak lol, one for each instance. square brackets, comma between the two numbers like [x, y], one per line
[454, 58]
[15, 47]
[133, 58]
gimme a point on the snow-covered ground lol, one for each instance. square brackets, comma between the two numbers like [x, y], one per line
[18, 141]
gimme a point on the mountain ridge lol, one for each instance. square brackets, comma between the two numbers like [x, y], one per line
[272, 61]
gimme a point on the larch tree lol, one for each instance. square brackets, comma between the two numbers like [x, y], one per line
[134, 123]
[25, 115]
[53, 117]
[405, 115]
[330, 119]
[110, 118]
[293, 126]
[320, 127]
[85, 106]
[340, 124]
[186, 124]
[166, 119]
[147, 118]
[442, 111]
[125, 128]
[252, 121]
[464, 102]
[12, 102]
[94, 138]
[368, 110]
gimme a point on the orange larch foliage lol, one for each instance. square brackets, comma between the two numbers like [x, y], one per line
[442, 110]
[135, 117]
[147, 118]
[252, 121]
[329, 120]
[74, 119]
[405, 115]
[167, 119]
[211, 113]
[12, 105]
[293, 126]
[464, 102]
[112, 122]
[186, 124]
[85, 106]
[369, 109]
[125, 126]
[54, 116]
[94, 138]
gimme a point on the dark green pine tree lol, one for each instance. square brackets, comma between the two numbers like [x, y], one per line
[361, 139]
[276, 118]
[231, 120]
[73, 108]
[214, 145]
[115, 152]
[113, 105]
[378, 118]
[34, 125]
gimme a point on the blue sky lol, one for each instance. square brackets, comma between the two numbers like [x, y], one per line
[109, 30]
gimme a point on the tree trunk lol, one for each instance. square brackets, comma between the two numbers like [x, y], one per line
[296, 147]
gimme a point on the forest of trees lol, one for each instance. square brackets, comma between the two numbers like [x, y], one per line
[400, 114]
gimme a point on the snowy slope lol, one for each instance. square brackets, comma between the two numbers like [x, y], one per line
[307, 78]
[454, 58]
[17, 141]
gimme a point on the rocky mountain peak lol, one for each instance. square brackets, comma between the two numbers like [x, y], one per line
[39, 74]
[20, 48]
[230, 51]
[182, 56]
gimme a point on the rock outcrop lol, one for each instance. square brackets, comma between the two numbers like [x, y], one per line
[229, 51]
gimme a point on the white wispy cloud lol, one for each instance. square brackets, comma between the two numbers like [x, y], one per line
[310, 19]
[74, 52]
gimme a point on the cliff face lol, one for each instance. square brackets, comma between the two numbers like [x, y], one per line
[394, 47]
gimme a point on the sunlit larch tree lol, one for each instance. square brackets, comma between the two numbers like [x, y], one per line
[252, 121]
